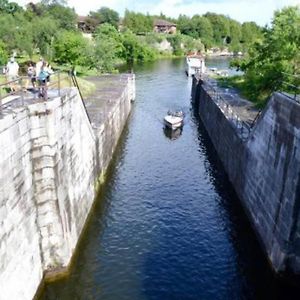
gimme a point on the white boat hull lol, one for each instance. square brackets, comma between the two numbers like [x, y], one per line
[173, 122]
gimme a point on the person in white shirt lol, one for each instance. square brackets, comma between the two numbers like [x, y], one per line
[12, 73]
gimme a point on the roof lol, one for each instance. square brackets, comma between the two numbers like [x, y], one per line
[160, 22]
[81, 18]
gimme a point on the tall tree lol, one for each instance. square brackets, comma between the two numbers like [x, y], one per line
[270, 61]
[9, 7]
[104, 15]
[64, 16]
[221, 28]
[71, 48]
[137, 22]
[204, 30]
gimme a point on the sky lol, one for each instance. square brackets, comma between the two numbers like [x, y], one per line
[259, 11]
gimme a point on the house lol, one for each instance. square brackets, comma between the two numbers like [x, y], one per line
[85, 24]
[163, 26]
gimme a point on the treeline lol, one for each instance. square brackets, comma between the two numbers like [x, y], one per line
[273, 63]
[221, 31]
[49, 28]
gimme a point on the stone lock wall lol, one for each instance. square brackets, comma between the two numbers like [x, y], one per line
[265, 172]
[51, 160]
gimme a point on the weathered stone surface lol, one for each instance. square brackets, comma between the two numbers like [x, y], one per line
[264, 170]
[51, 159]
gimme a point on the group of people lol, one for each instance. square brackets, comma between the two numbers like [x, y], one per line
[36, 73]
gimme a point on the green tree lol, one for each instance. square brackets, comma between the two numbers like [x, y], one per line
[70, 48]
[269, 61]
[191, 45]
[137, 22]
[204, 30]
[135, 50]
[186, 26]
[176, 43]
[44, 31]
[65, 17]
[235, 36]
[3, 53]
[13, 31]
[108, 48]
[250, 33]
[104, 15]
[9, 7]
[221, 28]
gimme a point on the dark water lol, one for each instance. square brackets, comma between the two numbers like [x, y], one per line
[168, 224]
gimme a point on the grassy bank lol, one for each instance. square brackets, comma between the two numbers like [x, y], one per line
[246, 90]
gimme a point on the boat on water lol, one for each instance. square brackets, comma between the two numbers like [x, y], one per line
[195, 64]
[174, 120]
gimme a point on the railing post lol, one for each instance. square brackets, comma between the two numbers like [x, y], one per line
[22, 90]
[0, 102]
[58, 75]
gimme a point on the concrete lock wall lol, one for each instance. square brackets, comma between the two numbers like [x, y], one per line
[265, 172]
[51, 160]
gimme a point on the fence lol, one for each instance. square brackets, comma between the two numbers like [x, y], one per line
[291, 86]
[243, 128]
[23, 89]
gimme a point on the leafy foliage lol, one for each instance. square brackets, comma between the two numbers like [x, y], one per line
[3, 54]
[137, 22]
[71, 48]
[270, 61]
[101, 16]
[108, 48]
[135, 49]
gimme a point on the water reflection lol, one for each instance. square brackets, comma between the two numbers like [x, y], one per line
[172, 134]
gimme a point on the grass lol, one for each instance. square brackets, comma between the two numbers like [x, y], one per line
[86, 88]
[245, 89]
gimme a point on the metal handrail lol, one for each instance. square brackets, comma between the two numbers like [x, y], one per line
[295, 89]
[229, 112]
[75, 82]
[20, 83]
[293, 75]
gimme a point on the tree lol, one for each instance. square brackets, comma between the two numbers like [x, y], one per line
[270, 61]
[186, 26]
[13, 29]
[3, 54]
[44, 31]
[9, 7]
[250, 33]
[65, 16]
[176, 43]
[220, 25]
[137, 22]
[204, 30]
[134, 49]
[71, 48]
[103, 15]
[235, 36]
[108, 48]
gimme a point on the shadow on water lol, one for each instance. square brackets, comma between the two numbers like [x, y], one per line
[258, 279]
[172, 134]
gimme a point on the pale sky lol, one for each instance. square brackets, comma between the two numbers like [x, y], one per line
[260, 11]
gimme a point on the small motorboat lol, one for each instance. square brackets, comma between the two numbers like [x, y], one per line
[174, 120]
